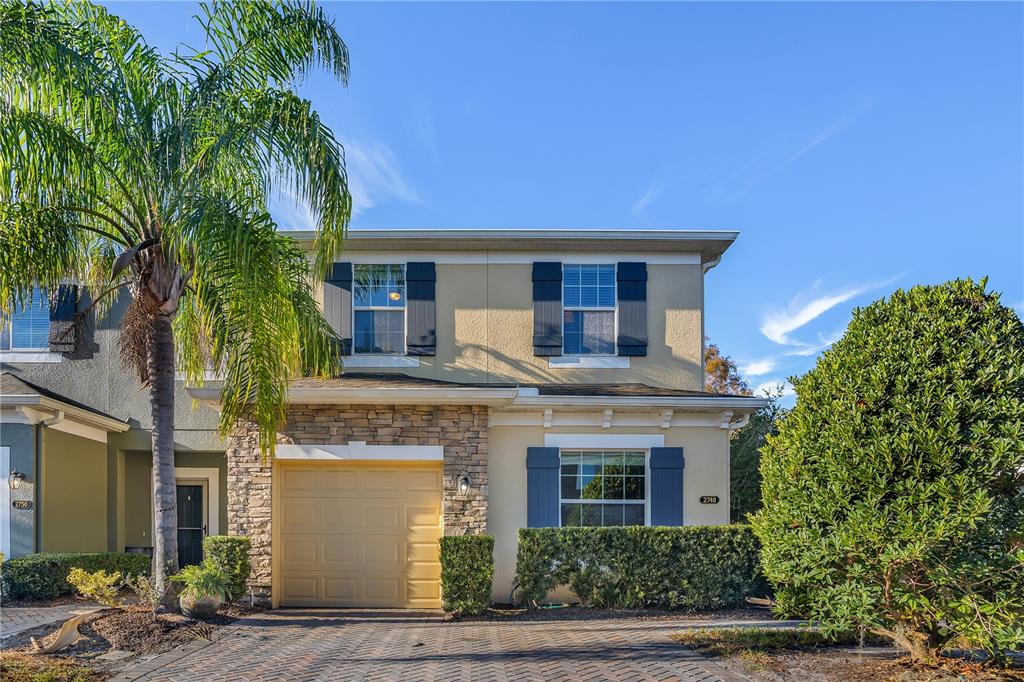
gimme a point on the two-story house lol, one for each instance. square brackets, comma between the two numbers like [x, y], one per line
[494, 380]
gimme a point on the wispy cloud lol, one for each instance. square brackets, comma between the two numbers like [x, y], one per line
[290, 212]
[777, 325]
[374, 175]
[645, 199]
[779, 387]
[753, 172]
[756, 368]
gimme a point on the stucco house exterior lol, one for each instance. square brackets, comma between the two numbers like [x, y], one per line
[493, 380]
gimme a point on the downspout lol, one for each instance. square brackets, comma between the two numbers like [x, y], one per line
[57, 418]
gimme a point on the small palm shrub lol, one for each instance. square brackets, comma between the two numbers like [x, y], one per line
[203, 580]
[893, 492]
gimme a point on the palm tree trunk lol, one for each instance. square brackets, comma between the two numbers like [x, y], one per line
[165, 503]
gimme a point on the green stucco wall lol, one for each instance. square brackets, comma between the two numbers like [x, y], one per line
[73, 497]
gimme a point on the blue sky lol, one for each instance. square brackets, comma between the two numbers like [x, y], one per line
[858, 147]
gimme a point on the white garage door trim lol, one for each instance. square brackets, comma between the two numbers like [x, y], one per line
[359, 450]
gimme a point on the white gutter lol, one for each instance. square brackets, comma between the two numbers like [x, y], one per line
[64, 410]
[692, 402]
[57, 418]
[514, 234]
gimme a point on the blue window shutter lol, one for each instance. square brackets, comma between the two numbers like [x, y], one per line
[421, 315]
[63, 337]
[542, 487]
[666, 486]
[338, 303]
[547, 309]
[632, 283]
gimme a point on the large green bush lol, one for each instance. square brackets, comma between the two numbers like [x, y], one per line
[685, 567]
[892, 492]
[44, 576]
[467, 571]
[230, 553]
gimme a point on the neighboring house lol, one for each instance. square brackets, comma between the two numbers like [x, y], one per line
[494, 380]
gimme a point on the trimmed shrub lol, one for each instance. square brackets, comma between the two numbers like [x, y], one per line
[892, 491]
[230, 553]
[45, 576]
[684, 567]
[467, 571]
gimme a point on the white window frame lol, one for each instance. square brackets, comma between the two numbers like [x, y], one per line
[405, 316]
[7, 327]
[615, 317]
[647, 483]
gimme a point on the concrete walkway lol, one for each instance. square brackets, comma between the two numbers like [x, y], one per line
[328, 644]
[20, 618]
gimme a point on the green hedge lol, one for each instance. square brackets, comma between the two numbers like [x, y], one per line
[230, 553]
[686, 567]
[467, 569]
[44, 576]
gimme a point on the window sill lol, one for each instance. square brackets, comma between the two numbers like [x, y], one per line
[589, 362]
[21, 356]
[380, 361]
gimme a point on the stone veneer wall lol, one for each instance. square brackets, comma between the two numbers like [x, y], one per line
[460, 429]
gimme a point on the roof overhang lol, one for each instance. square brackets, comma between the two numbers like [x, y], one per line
[40, 409]
[508, 397]
[709, 243]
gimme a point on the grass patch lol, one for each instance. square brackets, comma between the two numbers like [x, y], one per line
[18, 667]
[750, 641]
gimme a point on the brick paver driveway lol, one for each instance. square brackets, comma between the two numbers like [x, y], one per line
[407, 645]
[15, 619]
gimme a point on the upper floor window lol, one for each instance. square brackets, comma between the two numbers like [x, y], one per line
[28, 327]
[378, 303]
[588, 315]
[603, 488]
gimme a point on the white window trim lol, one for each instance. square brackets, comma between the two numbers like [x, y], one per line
[615, 317]
[589, 361]
[647, 483]
[603, 441]
[359, 450]
[380, 360]
[405, 323]
[27, 356]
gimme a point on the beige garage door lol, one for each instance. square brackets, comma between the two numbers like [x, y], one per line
[359, 534]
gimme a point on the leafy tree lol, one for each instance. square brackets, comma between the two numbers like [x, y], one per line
[126, 170]
[894, 490]
[721, 374]
[745, 458]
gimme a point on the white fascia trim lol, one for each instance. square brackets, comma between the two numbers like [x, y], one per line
[641, 441]
[695, 402]
[212, 476]
[589, 362]
[357, 450]
[25, 357]
[77, 414]
[512, 257]
[514, 234]
[380, 361]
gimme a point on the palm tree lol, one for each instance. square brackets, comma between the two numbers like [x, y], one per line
[126, 170]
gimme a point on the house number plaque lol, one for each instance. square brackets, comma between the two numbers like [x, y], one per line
[709, 499]
[22, 504]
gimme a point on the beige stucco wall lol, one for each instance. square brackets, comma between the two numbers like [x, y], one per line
[73, 499]
[706, 472]
[485, 329]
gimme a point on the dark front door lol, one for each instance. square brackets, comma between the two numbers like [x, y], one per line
[191, 526]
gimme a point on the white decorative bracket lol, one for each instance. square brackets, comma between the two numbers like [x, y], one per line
[666, 419]
[727, 419]
[548, 416]
[606, 420]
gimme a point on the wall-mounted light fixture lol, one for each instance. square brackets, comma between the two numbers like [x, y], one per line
[463, 484]
[15, 479]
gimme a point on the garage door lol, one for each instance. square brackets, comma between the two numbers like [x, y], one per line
[359, 534]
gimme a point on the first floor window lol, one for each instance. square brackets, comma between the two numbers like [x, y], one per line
[28, 327]
[378, 302]
[588, 304]
[603, 488]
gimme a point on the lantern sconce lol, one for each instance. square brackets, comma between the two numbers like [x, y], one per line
[463, 484]
[15, 480]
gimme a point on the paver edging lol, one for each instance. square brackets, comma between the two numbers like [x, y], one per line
[177, 653]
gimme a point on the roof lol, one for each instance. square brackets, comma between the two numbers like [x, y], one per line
[710, 243]
[368, 387]
[17, 391]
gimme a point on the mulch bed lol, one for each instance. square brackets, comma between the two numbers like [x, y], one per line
[133, 629]
[506, 612]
